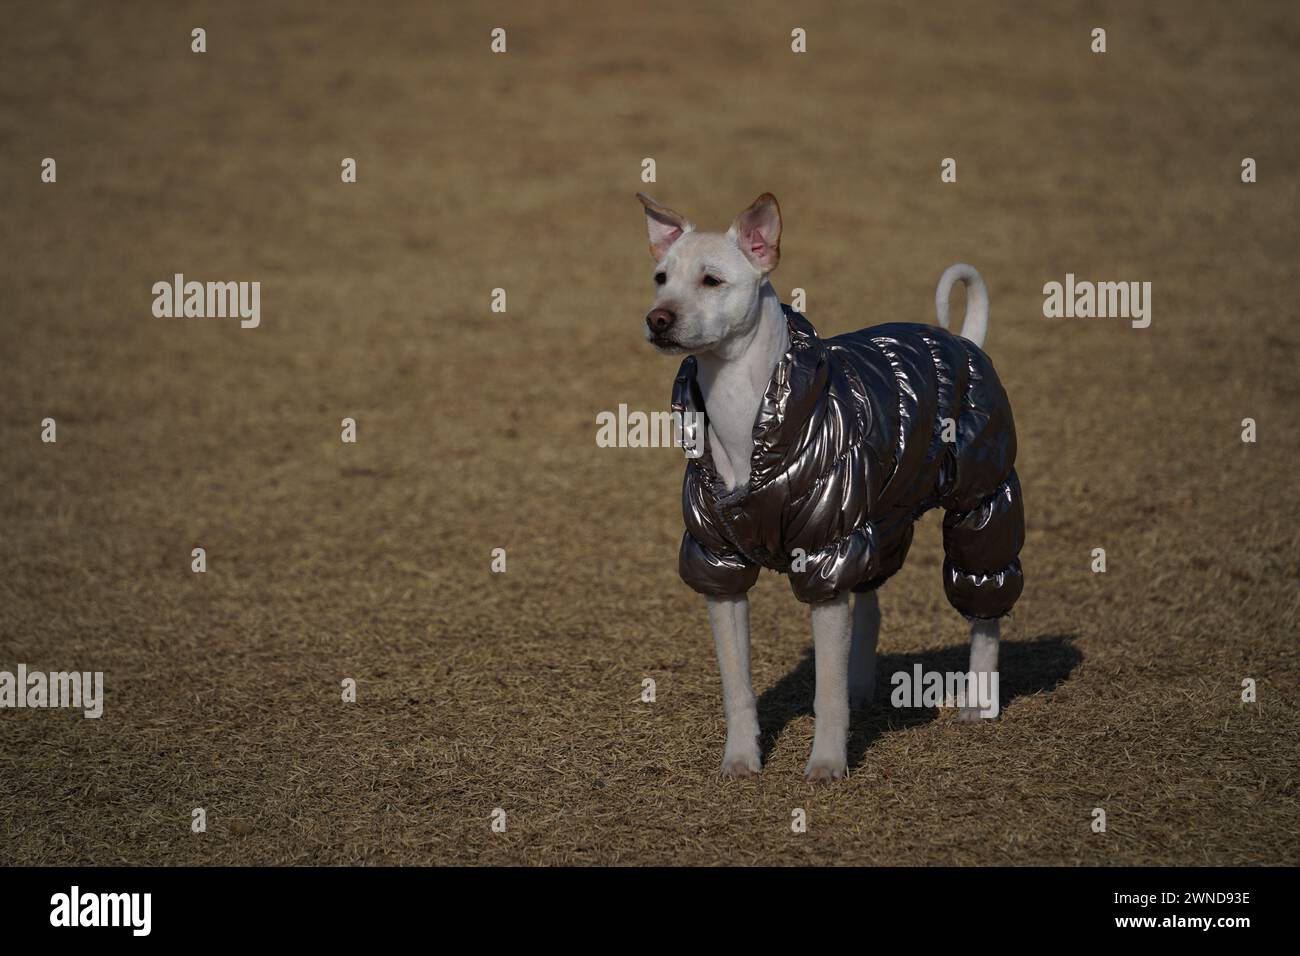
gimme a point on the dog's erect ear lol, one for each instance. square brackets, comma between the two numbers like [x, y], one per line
[664, 226]
[757, 231]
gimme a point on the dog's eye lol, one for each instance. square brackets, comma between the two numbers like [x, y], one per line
[660, 278]
[712, 280]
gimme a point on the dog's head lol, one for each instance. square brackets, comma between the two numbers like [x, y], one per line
[707, 284]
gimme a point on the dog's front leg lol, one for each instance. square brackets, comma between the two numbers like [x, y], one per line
[832, 626]
[730, 619]
[862, 653]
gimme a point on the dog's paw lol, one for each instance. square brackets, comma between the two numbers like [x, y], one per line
[741, 766]
[820, 770]
[975, 715]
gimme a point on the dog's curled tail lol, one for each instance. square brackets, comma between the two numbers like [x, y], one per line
[975, 326]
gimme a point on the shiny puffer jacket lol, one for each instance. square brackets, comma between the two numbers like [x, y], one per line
[849, 451]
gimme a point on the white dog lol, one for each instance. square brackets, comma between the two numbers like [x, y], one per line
[760, 371]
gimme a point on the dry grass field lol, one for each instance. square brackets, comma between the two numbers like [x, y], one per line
[476, 429]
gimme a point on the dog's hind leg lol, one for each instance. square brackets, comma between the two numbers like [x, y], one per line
[982, 579]
[983, 671]
[832, 626]
[730, 619]
[862, 650]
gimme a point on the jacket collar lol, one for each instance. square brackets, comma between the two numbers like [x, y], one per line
[797, 384]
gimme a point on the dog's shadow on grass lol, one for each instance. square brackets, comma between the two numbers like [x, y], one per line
[1024, 667]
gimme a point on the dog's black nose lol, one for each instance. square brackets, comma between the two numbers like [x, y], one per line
[660, 320]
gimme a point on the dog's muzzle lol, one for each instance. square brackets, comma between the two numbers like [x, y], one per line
[659, 321]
